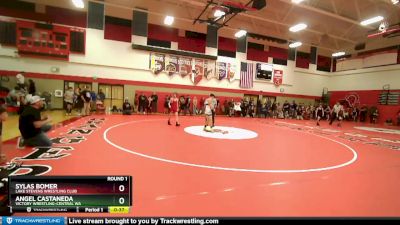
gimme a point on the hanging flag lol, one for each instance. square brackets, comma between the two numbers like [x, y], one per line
[198, 71]
[171, 65]
[209, 67]
[231, 70]
[157, 63]
[278, 76]
[185, 66]
[221, 70]
[246, 75]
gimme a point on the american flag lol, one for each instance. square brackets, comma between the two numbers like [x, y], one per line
[246, 75]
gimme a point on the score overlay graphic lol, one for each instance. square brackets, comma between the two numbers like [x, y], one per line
[89, 194]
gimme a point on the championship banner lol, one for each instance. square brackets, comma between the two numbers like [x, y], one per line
[171, 65]
[231, 70]
[278, 77]
[185, 66]
[221, 70]
[157, 63]
[209, 69]
[198, 71]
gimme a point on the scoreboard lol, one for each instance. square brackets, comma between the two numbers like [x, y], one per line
[88, 194]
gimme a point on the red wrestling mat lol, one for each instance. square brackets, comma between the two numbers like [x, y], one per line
[283, 168]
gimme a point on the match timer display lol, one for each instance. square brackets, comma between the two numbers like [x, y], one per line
[88, 194]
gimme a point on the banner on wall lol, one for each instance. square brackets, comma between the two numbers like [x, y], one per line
[185, 66]
[221, 70]
[231, 70]
[198, 71]
[209, 67]
[278, 77]
[171, 65]
[157, 63]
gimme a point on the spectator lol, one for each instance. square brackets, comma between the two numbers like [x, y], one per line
[149, 104]
[142, 103]
[101, 95]
[398, 118]
[31, 87]
[355, 113]
[3, 117]
[166, 104]
[86, 97]
[78, 101]
[374, 115]
[126, 108]
[187, 105]
[32, 126]
[154, 102]
[201, 105]
[363, 113]
[195, 111]
[69, 100]
[14, 97]
[286, 108]
[21, 82]
[93, 100]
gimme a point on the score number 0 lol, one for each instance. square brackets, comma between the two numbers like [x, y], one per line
[121, 200]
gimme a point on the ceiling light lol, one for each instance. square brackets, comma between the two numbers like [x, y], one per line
[169, 20]
[240, 33]
[219, 13]
[395, 2]
[337, 54]
[372, 20]
[297, 1]
[295, 44]
[298, 27]
[78, 4]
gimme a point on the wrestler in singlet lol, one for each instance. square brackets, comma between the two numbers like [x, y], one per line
[174, 105]
[174, 108]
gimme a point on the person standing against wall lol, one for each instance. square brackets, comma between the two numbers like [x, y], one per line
[142, 103]
[154, 102]
[86, 97]
[195, 105]
[69, 100]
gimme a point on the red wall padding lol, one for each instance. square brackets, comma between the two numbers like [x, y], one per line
[257, 55]
[117, 32]
[278, 53]
[191, 44]
[66, 16]
[227, 44]
[162, 33]
[368, 98]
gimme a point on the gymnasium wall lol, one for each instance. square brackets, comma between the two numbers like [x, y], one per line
[42, 85]
[116, 60]
[366, 79]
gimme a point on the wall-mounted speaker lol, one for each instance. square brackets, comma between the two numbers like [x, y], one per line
[259, 4]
